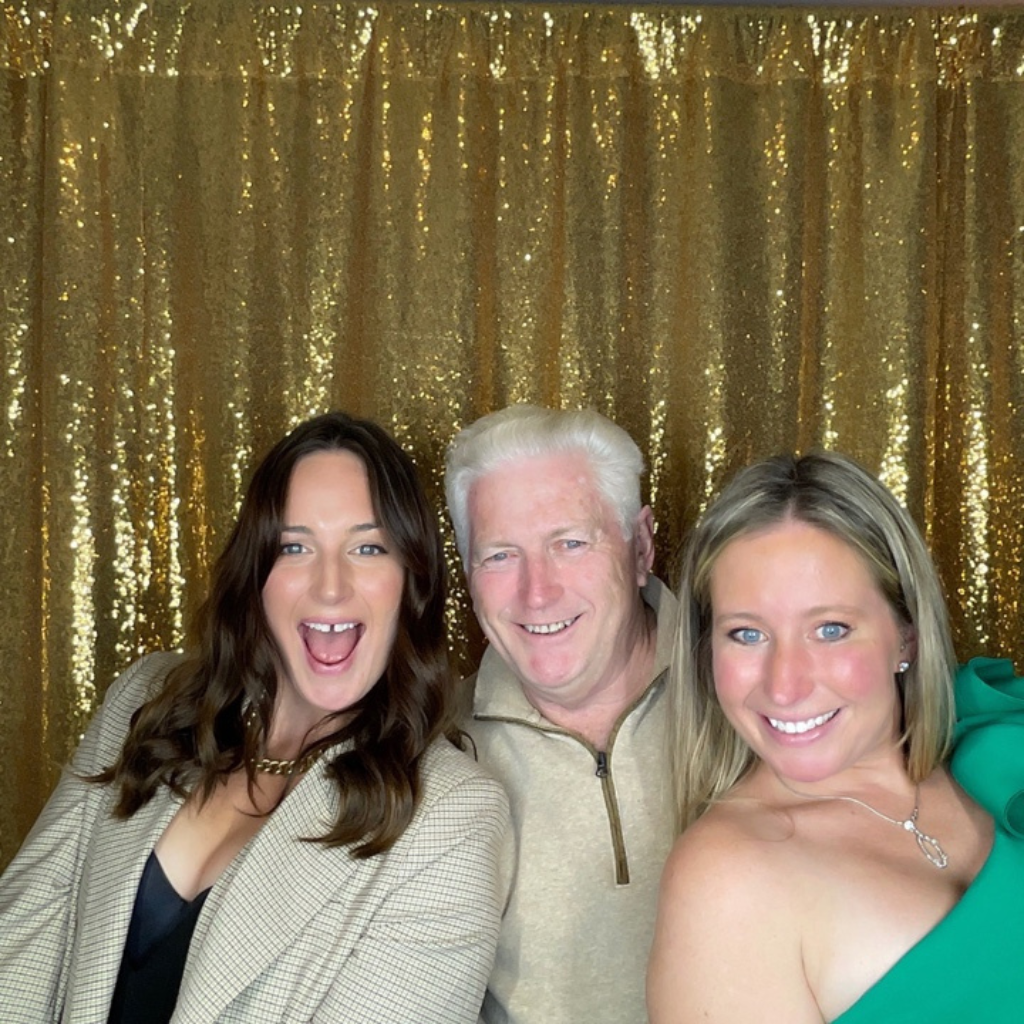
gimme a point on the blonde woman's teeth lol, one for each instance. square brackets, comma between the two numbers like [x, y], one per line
[795, 728]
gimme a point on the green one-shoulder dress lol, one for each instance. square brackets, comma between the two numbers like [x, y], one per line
[970, 967]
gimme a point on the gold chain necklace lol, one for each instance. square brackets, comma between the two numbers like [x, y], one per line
[295, 766]
[928, 845]
[280, 766]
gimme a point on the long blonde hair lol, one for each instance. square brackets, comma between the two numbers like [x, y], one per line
[833, 493]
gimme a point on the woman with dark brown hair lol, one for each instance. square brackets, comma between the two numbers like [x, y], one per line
[277, 827]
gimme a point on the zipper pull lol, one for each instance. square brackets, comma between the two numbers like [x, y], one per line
[602, 765]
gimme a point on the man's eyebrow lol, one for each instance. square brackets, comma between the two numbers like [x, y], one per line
[581, 526]
[491, 545]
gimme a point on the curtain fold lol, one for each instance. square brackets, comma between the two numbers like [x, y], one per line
[734, 230]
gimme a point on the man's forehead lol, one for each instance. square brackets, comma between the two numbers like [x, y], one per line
[575, 462]
[538, 495]
[562, 477]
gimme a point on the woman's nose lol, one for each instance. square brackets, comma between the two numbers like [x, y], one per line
[332, 579]
[790, 674]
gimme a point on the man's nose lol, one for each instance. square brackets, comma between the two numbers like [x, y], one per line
[539, 581]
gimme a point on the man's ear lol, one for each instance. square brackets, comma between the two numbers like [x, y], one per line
[643, 544]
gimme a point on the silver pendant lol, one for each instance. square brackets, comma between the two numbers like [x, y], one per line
[928, 846]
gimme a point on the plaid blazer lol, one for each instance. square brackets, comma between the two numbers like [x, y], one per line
[292, 931]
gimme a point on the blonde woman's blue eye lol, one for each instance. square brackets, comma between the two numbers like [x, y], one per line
[833, 631]
[746, 635]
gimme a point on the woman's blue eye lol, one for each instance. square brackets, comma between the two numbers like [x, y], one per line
[370, 549]
[833, 631]
[291, 548]
[747, 635]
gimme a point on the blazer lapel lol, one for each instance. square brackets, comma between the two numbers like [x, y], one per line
[260, 906]
[114, 864]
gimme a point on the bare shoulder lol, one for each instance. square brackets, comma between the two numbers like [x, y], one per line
[727, 914]
[725, 865]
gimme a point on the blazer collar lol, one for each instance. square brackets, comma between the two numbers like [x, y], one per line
[116, 858]
[264, 901]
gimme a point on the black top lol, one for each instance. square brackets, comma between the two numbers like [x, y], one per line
[155, 950]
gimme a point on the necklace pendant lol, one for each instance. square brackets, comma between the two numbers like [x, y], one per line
[928, 846]
[931, 849]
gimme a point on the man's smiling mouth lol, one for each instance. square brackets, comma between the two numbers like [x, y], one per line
[547, 628]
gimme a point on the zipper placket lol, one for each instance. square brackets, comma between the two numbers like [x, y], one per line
[603, 772]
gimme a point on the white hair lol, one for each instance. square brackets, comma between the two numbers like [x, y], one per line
[528, 431]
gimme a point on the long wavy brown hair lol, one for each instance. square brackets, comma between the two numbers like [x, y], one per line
[193, 733]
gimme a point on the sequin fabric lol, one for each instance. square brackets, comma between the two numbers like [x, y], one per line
[735, 231]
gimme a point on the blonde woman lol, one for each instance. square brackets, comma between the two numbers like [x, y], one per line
[835, 865]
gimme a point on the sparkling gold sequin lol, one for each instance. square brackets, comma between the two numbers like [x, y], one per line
[736, 231]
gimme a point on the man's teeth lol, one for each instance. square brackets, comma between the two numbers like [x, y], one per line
[327, 627]
[548, 627]
[794, 728]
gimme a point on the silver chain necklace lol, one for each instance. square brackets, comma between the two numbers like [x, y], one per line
[928, 845]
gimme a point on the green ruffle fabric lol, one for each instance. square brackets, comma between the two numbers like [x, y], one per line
[989, 757]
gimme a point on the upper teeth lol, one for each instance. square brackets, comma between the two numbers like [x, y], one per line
[327, 627]
[798, 727]
[548, 627]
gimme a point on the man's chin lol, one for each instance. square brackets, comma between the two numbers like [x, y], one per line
[539, 671]
[550, 686]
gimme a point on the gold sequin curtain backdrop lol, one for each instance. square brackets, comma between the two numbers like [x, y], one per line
[733, 230]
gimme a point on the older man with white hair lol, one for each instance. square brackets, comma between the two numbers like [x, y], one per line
[569, 703]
